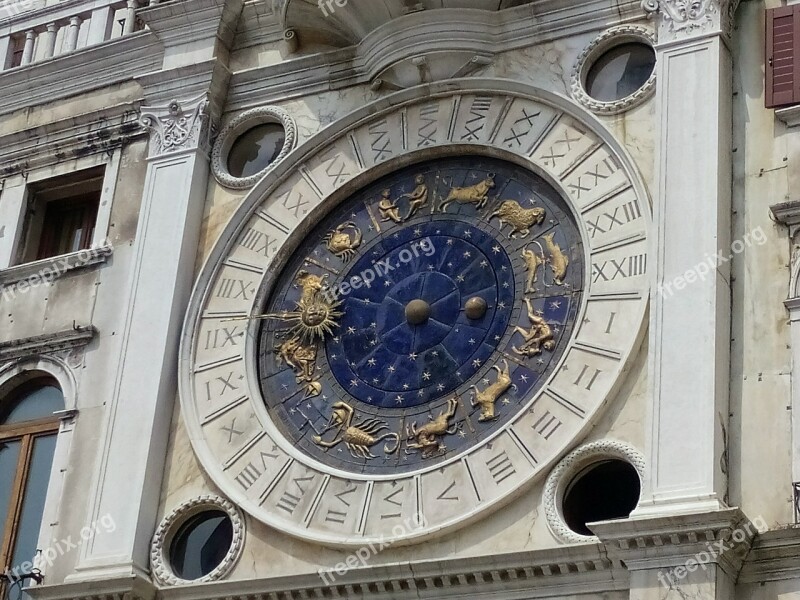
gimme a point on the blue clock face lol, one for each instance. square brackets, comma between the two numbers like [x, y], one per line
[420, 315]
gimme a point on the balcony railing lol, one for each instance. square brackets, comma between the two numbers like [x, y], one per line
[36, 30]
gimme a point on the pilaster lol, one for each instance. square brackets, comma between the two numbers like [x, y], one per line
[690, 314]
[133, 443]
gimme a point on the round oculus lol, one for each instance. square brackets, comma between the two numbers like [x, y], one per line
[256, 149]
[620, 71]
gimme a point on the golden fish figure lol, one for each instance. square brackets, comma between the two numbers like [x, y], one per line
[359, 437]
[559, 262]
[425, 438]
[344, 240]
[487, 398]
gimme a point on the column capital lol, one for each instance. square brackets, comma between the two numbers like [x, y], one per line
[177, 126]
[684, 19]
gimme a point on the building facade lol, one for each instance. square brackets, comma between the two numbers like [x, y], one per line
[388, 299]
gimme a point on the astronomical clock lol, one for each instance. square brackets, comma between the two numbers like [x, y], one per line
[415, 314]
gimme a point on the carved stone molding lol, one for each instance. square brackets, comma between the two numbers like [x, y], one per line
[177, 126]
[569, 467]
[160, 546]
[684, 18]
[720, 537]
[788, 214]
[240, 125]
[50, 343]
[610, 38]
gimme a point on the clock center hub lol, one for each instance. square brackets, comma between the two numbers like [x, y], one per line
[417, 312]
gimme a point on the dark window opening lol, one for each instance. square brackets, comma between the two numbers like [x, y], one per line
[62, 214]
[201, 544]
[603, 491]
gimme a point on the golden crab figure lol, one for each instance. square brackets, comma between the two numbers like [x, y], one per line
[344, 240]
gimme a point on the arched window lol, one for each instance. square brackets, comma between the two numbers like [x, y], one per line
[28, 431]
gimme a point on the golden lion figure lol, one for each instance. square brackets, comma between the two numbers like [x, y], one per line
[426, 436]
[519, 219]
[477, 194]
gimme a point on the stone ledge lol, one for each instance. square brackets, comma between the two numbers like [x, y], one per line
[48, 343]
[774, 556]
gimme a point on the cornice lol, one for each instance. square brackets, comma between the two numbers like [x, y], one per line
[182, 21]
[480, 33]
[72, 137]
[134, 587]
[669, 541]
[59, 341]
[559, 572]
[774, 556]
[79, 72]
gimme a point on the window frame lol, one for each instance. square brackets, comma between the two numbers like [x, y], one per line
[26, 433]
[773, 99]
[14, 201]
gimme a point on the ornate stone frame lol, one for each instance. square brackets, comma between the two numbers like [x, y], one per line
[605, 41]
[162, 539]
[566, 470]
[310, 178]
[239, 125]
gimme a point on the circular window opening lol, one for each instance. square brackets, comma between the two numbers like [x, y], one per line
[620, 72]
[603, 491]
[201, 544]
[256, 149]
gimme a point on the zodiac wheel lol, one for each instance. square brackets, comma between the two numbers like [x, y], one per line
[416, 313]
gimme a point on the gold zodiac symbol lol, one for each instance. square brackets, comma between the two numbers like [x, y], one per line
[425, 436]
[532, 263]
[344, 240]
[486, 399]
[539, 336]
[558, 260]
[302, 358]
[358, 438]
[388, 208]
[316, 314]
[477, 194]
[417, 198]
[520, 219]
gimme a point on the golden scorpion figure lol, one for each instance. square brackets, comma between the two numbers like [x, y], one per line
[358, 438]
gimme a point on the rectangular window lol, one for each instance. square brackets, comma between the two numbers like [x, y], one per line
[62, 213]
[783, 56]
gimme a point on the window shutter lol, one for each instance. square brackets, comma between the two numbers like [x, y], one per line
[783, 56]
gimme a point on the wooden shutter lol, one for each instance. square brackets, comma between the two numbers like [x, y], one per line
[783, 56]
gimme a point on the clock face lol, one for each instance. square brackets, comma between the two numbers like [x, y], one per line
[420, 315]
[416, 313]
